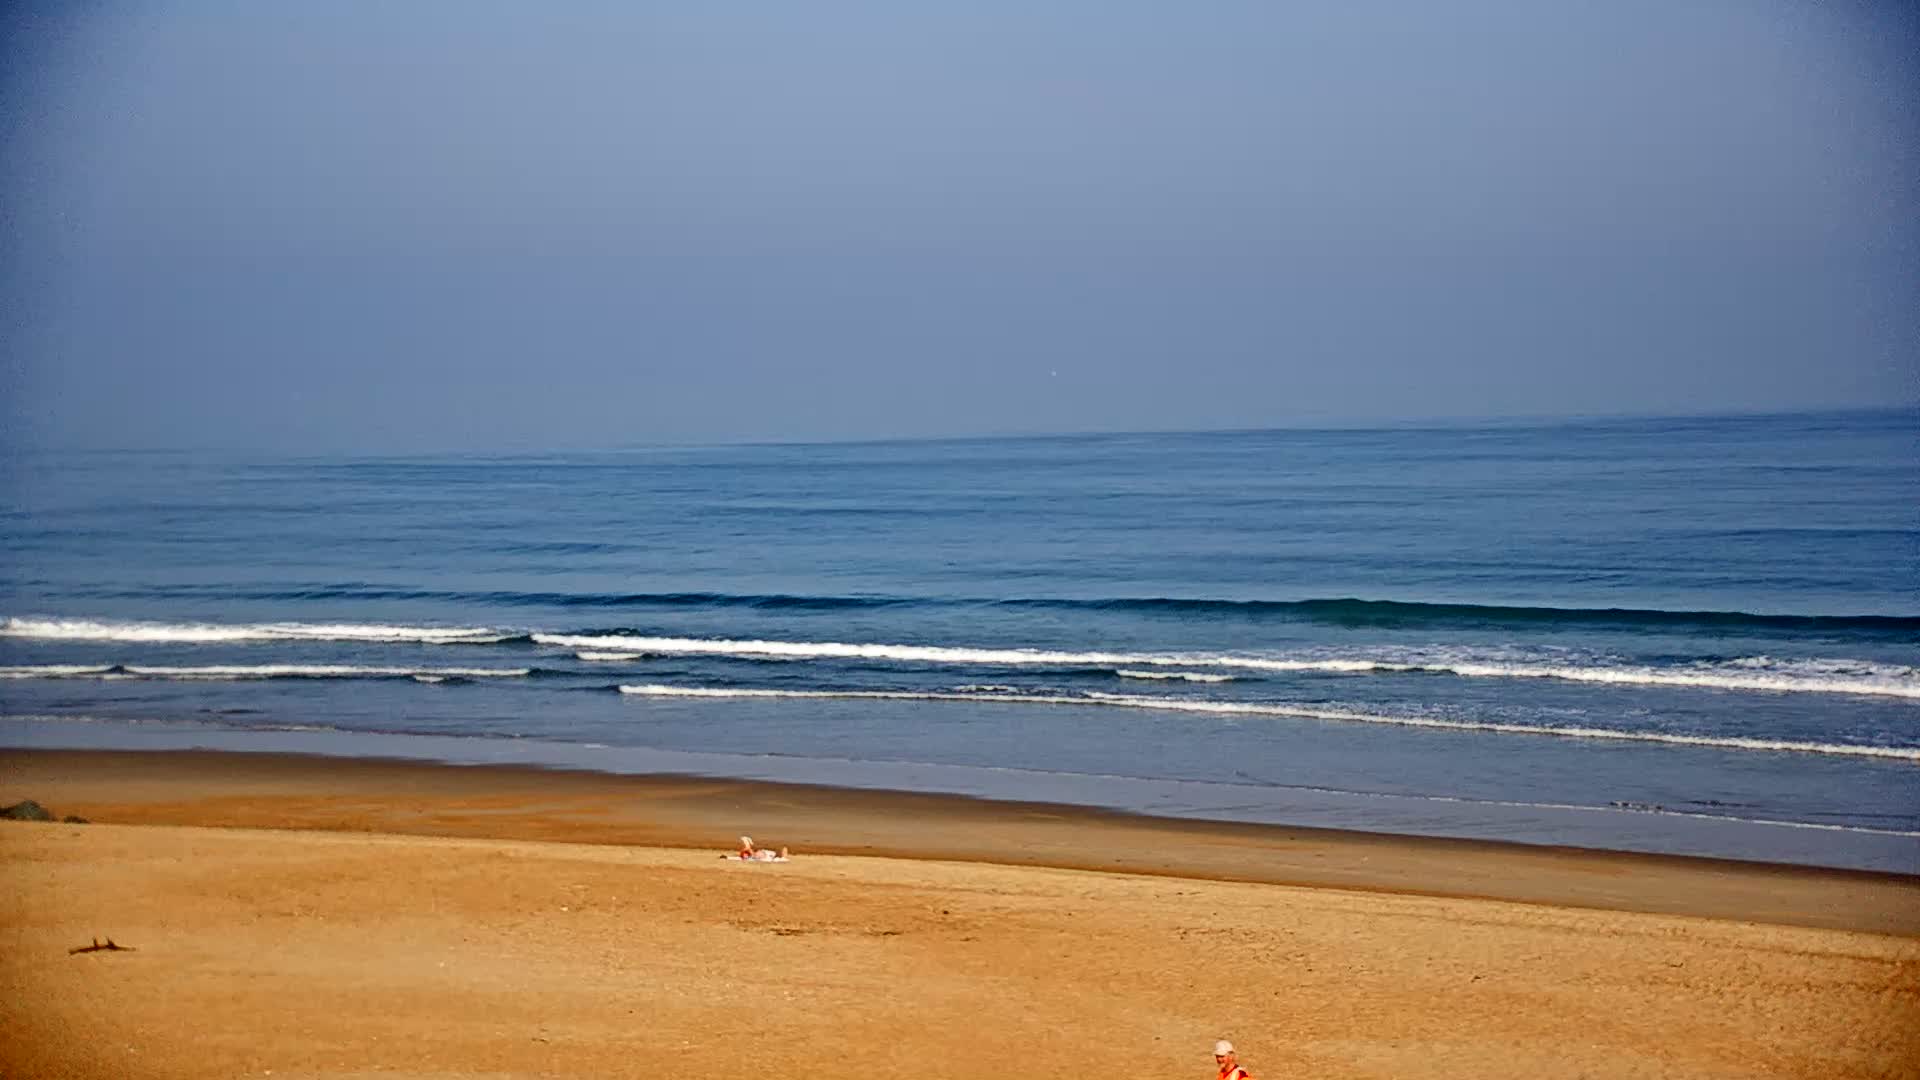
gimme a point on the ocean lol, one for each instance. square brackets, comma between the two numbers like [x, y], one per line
[1692, 635]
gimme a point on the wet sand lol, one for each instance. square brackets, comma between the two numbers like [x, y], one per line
[327, 917]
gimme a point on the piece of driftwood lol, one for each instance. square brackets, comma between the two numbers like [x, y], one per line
[97, 947]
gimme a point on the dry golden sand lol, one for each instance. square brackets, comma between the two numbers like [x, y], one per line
[358, 919]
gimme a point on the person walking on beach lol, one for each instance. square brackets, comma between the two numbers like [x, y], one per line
[1230, 1069]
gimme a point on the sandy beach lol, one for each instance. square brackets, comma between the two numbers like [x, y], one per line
[309, 917]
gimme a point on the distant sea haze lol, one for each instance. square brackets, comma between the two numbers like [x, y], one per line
[1692, 635]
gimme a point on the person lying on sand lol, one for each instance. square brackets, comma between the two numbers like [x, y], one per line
[749, 853]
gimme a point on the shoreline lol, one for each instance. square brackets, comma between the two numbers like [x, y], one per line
[1651, 830]
[518, 802]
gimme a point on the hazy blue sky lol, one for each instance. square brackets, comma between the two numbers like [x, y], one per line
[462, 224]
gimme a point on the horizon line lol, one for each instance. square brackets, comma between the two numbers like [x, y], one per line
[1418, 423]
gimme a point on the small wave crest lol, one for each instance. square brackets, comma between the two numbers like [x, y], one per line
[56, 671]
[1389, 614]
[236, 672]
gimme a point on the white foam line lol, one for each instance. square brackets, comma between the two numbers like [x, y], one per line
[208, 633]
[1901, 684]
[1661, 811]
[1728, 742]
[1234, 708]
[321, 671]
[1708, 679]
[607, 657]
[803, 650]
[1184, 676]
[196, 724]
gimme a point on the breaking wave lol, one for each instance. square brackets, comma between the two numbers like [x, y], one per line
[1747, 673]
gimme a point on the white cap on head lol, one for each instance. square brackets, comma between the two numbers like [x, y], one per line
[1222, 1048]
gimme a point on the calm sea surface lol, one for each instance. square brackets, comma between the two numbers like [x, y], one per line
[1688, 635]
